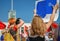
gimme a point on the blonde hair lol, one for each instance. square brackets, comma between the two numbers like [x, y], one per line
[37, 26]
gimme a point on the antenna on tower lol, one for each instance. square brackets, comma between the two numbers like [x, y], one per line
[12, 5]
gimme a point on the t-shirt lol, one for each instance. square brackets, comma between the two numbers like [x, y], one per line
[38, 38]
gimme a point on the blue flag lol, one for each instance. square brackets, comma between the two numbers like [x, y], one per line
[41, 8]
[45, 7]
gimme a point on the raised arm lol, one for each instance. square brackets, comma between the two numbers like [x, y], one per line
[52, 16]
[21, 23]
[35, 12]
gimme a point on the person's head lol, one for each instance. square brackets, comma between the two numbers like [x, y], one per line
[50, 35]
[37, 26]
[17, 21]
[12, 21]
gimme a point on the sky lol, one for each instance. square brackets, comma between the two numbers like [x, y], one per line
[24, 9]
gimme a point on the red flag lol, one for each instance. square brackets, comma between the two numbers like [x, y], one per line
[54, 25]
[2, 25]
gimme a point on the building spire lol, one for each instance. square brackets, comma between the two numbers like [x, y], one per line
[12, 5]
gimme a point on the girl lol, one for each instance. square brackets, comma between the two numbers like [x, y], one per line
[38, 27]
[14, 25]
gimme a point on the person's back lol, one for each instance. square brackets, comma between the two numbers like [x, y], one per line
[37, 30]
[38, 38]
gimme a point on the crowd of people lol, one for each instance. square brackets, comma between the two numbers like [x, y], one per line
[38, 29]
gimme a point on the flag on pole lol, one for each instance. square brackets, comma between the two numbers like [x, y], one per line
[2, 25]
[44, 9]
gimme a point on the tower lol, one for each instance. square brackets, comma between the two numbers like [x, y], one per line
[11, 13]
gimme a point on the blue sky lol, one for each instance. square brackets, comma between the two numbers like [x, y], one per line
[23, 8]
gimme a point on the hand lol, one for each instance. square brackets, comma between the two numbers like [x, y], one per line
[55, 7]
[35, 12]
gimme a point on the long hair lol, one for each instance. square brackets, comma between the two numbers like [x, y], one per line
[37, 26]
